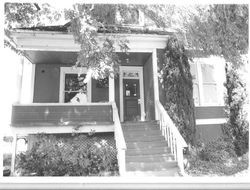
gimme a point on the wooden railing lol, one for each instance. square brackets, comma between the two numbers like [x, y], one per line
[173, 137]
[120, 141]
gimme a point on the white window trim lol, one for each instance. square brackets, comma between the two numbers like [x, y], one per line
[140, 71]
[202, 102]
[66, 70]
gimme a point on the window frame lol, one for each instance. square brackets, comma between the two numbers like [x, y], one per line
[198, 64]
[71, 70]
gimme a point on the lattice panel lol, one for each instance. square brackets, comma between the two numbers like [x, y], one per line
[92, 140]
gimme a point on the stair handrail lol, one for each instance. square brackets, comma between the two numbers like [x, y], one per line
[120, 140]
[172, 135]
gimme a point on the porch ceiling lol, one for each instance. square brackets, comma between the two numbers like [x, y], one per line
[69, 58]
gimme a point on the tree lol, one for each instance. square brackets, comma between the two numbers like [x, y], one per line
[222, 30]
[178, 87]
[176, 78]
[85, 20]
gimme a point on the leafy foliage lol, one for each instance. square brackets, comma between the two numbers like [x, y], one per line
[237, 127]
[215, 158]
[85, 22]
[177, 82]
[50, 156]
[223, 30]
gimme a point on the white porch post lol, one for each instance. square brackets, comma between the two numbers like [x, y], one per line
[13, 155]
[20, 80]
[155, 80]
[111, 88]
[32, 86]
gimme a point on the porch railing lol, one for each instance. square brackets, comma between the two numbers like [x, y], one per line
[120, 141]
[172, 135]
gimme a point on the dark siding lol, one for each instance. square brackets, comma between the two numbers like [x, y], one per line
[149, 90]
[53, 115]
[210, 112]
[47, 81]
[206, 133]
[117, 94]
[99, 94]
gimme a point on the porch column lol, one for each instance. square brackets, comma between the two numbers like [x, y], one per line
[155, 80]
[20, 80]
[13, 154]
[32, 86]
[111, 88]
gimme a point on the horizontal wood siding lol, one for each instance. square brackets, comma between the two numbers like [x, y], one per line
[210, 112]
[207, 133]
[47, 82]
[49, 114]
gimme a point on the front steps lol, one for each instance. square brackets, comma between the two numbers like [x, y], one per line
[147, 152]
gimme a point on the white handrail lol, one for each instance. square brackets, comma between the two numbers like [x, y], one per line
[120, 141]
[172, 135]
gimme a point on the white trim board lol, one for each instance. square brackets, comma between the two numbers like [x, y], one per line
[210, 121]
[65, 70]
[61, 129]
[140, 71]
[56, 41]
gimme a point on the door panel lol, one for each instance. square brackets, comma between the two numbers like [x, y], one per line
[131, 97]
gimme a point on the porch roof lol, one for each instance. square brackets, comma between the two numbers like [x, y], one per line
[119, 29]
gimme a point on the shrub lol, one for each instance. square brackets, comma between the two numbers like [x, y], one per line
[50, 156]
[219, 151]
[176, 80]
[215, 158]
[7, 159]
[237, 126]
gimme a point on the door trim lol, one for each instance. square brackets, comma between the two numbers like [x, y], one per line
[66, 70]
[140, 71]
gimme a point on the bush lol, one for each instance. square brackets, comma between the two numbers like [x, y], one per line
[237, 126]
[215, 158]
[7, 159]
[176, 80]
[219, 151]
[50, 156]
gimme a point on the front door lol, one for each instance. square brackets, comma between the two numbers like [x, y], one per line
[131, 99]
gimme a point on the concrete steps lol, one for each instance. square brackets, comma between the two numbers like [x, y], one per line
[147, 152]
[170, 172]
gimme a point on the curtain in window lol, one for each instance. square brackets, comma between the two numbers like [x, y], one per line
[209, 84]
[196, 92]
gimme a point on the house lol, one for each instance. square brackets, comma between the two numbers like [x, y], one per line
[149, 145]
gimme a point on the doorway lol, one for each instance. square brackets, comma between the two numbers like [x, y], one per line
[131, 99]
[131, 94]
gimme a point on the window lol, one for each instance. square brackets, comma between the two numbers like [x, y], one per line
[196, 93]
[205, 83]
[130, 17]
[72, 85]
[71, 81]
[209, 84]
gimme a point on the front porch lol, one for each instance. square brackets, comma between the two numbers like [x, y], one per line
[131, 96]
[53, 77]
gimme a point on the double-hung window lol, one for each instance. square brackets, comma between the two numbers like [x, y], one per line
[206, 83]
